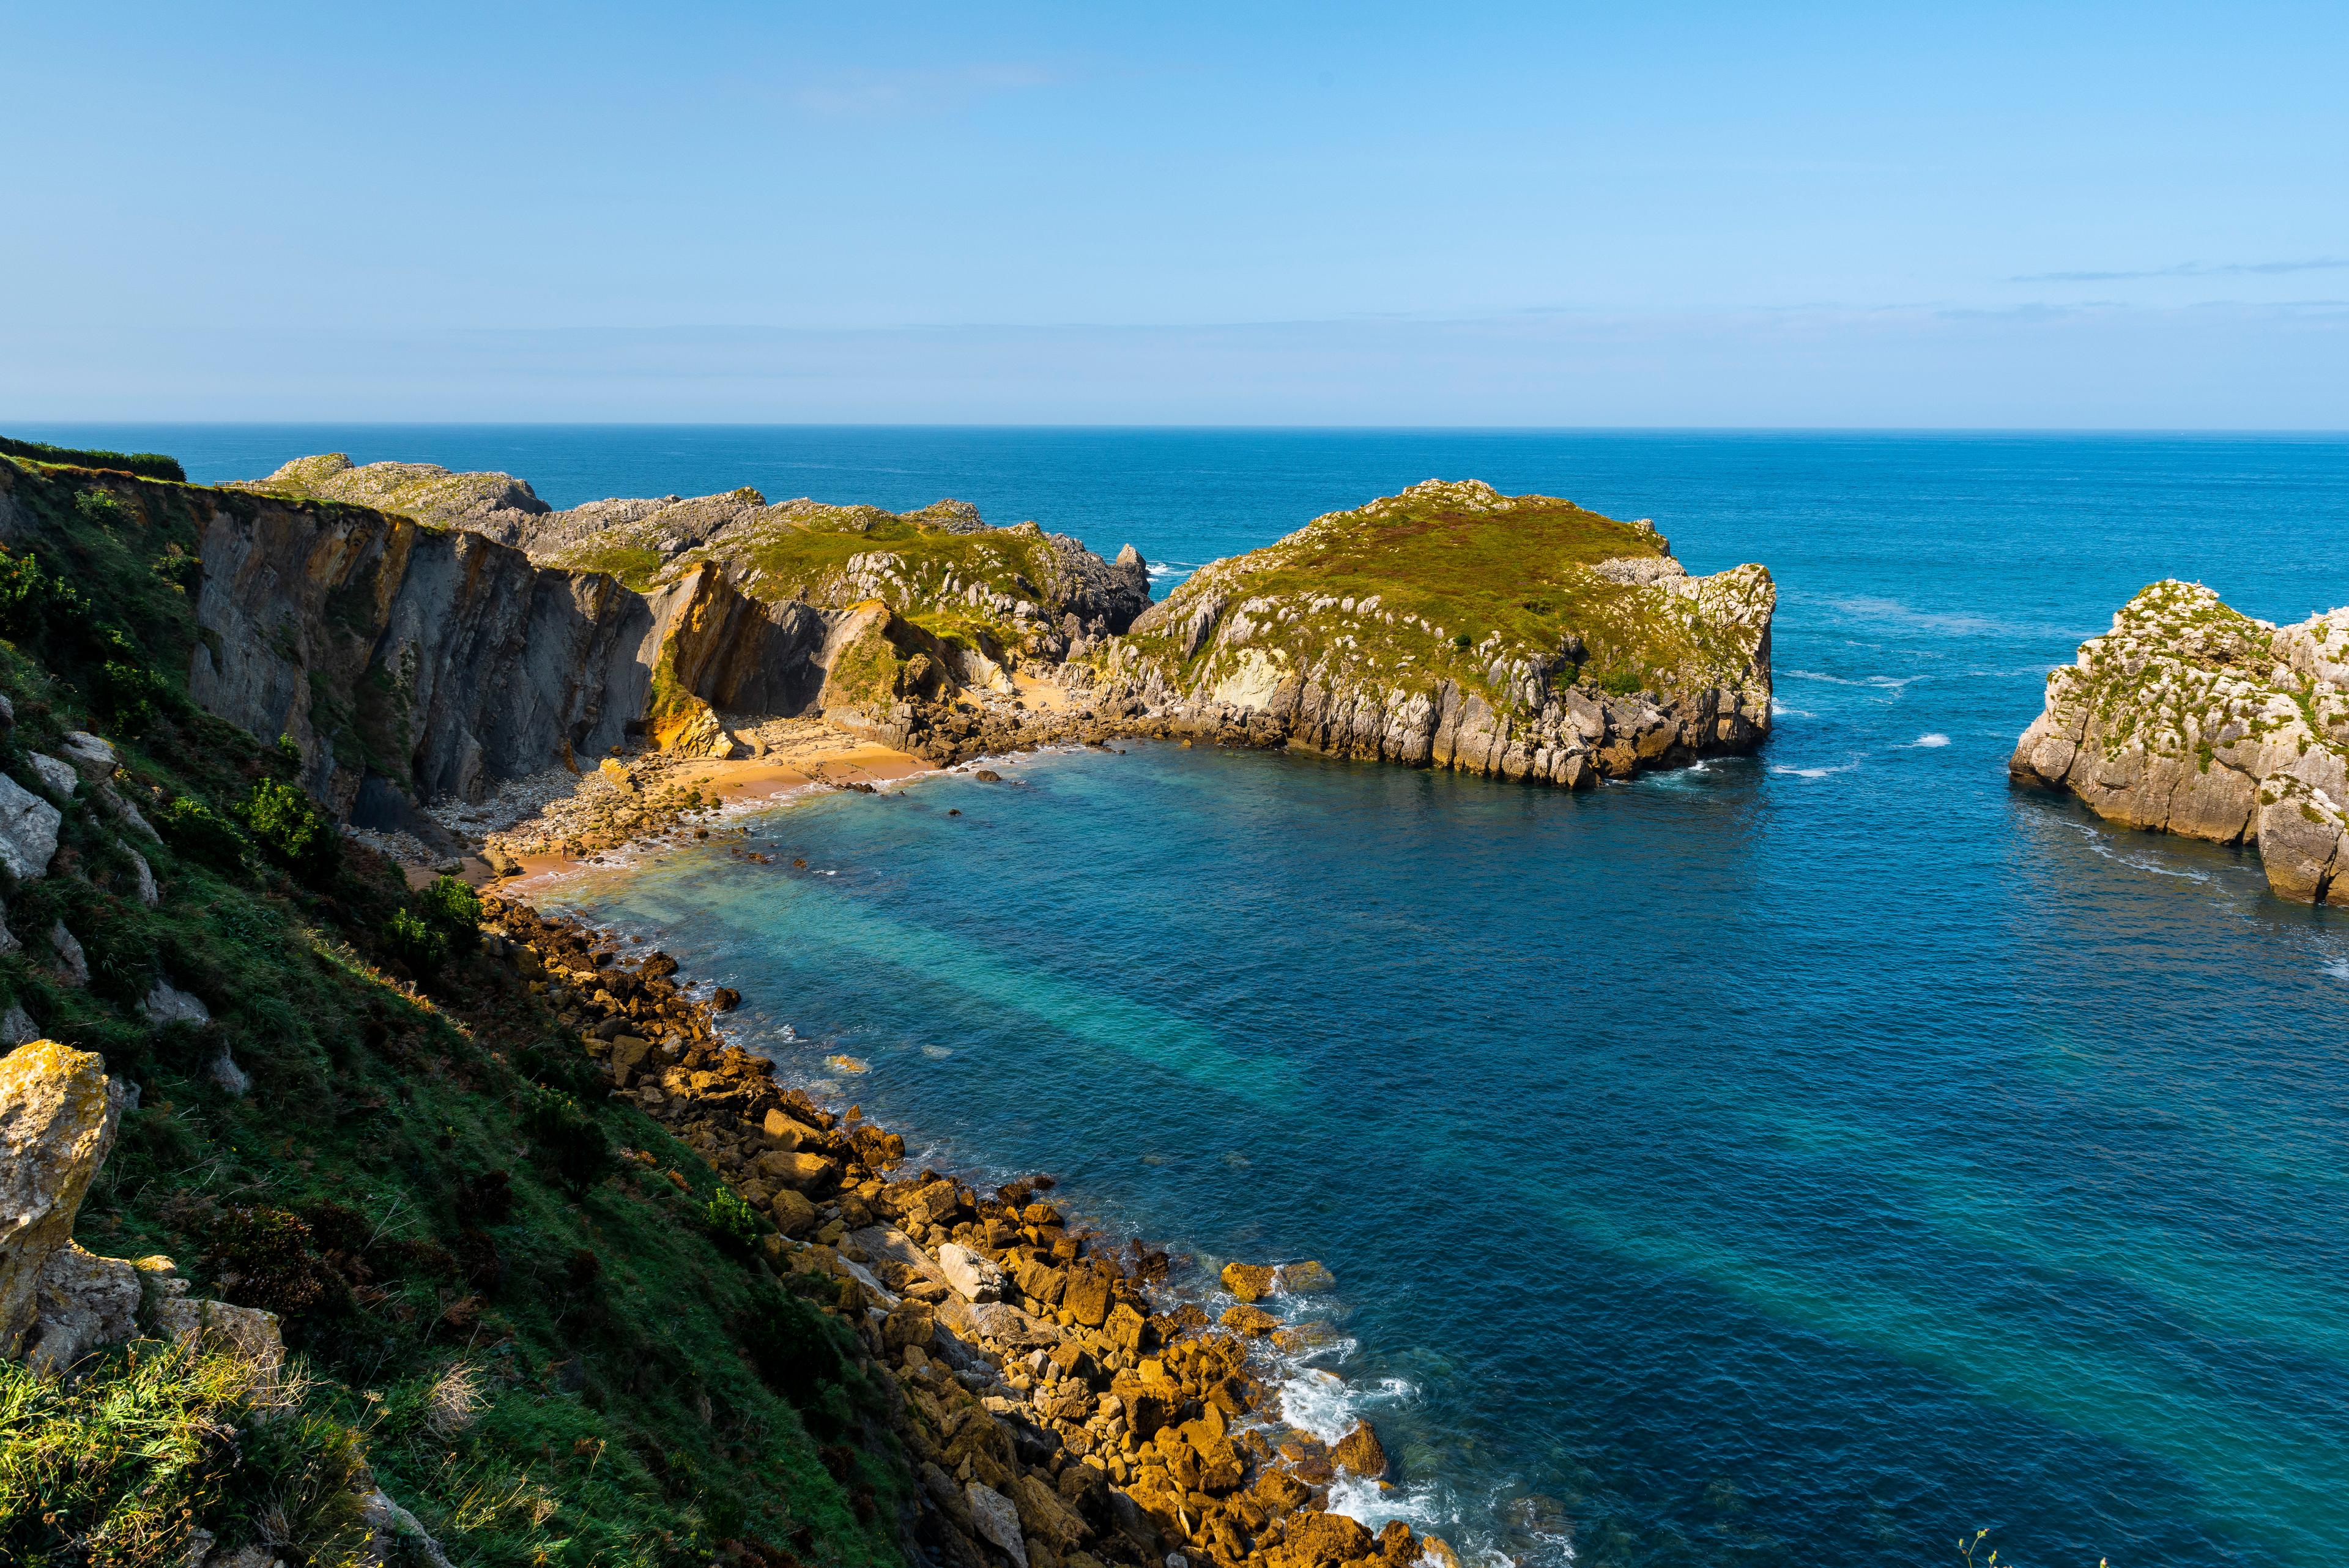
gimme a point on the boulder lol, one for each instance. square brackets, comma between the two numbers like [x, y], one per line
[88, 755]
[143, 878]
[1360, 1452]
[1126, 1328]
[1253, 1321]
[56, 777]
[1249, 1282]
[1304, 1279]
[910, 1324]
[1087, 1297]
[58, 1112]
[28, 831]
[83, 1302]
[794, 1215]
[16, 1026]
[997, 1519]
[166, 1004]
[1044, 1515]
[1324, 1540]
[790, 1134]
[71, 962]
[807, 1172]
[977, 1278]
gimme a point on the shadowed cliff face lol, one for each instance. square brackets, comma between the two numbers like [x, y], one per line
[2189, 717]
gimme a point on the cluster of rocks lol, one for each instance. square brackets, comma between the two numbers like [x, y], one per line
[59, 1302]
[642, 796]
[2187, 717]
[1060, 1409]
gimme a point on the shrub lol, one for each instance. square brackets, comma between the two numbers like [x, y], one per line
[103, 509]
[293, 832]
[177, 567]
[415, 943]
[454, 911]
[32, 601]
[130, 695]
[731, 1220]
[1623, 684]
[147, 465]
[263, 1257]
[569, 1138]
[199, 831]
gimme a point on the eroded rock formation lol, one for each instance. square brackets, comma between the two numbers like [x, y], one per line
[2190, 718]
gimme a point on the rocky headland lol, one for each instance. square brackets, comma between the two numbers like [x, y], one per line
[1454, 627]
[2189, 717]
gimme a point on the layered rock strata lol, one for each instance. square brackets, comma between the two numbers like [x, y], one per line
[1059, 1405]
[2190, 718]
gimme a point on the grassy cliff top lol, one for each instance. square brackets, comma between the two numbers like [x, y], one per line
[1457, 579]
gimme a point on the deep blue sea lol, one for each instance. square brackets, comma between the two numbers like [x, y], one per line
[1805, 1159]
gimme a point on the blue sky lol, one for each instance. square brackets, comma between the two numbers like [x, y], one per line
[1521, 214]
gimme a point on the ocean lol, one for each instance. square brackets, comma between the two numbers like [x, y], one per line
[1812, 1157]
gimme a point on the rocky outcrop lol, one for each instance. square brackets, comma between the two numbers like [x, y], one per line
[58, 1112]
[2187, 717]
[1454, 627]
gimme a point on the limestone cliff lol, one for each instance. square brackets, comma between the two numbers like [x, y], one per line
[2187, 717]
[1006, 593]
[1455, 627]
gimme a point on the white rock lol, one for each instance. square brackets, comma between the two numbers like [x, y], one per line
[998, 1521]
[149, 894]
[59, 778]
[16, 1026]
[71, 960]
[28, 831]
[128, 814]
[91, 757]
[232, 1079]
[975, 1277]
[83, 1302]
[167, 1004]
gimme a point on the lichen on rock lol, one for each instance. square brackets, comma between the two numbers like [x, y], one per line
[2189, 717]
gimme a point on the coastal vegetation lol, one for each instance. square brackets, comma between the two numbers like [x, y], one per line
[534, 1345]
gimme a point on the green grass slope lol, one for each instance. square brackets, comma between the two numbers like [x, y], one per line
[538, 1345]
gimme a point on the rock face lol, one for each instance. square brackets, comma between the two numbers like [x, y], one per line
[2189, 718]
[57, 1117]
[1455, 627]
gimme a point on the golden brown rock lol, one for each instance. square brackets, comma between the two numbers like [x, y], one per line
[1249, 1282]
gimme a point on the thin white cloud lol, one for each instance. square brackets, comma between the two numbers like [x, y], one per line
[870, 95]
[2190, 269]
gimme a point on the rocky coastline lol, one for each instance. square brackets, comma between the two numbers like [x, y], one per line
[1057, 1403]
[2189, 717]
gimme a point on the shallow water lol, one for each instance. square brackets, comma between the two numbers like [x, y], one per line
[1808, 1158]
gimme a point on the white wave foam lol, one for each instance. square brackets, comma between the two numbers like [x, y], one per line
[1325, 1406]
[1892, 684]
[2337, 967]
[1924, 742]
[1814, 773]
[2097, 843]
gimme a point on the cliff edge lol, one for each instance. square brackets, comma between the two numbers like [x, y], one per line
[2189, 717]
[1452, 626]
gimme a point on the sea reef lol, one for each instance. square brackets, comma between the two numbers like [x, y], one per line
[1454, 627]
[2189, 717]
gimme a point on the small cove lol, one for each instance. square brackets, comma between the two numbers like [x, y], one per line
[1816, 1154]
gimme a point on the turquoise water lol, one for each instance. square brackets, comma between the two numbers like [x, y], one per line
[1800, 1159]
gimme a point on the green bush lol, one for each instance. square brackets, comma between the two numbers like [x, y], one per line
[415, 943]
[731, 1221]
[104, 509]
[32, 601]
[570, 1139]
[178, 568]
[293, 832]
[454, 911]
[1623, 682]
[199, 831]
[147, 465]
